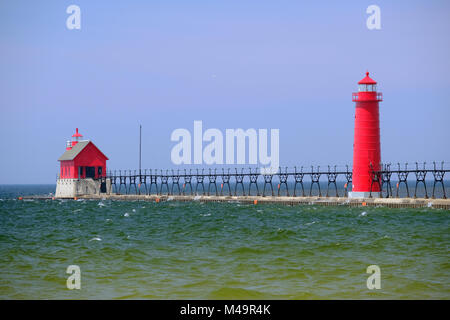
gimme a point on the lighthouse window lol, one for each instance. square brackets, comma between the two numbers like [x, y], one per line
[367, 88]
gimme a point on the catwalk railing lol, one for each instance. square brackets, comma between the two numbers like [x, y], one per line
[288, 181]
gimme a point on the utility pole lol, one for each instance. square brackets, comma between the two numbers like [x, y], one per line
[140, 147]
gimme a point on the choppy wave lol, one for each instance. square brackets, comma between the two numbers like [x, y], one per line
[220, 250]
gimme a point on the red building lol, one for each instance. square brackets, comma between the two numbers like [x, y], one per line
[366, 147]
[82, 159]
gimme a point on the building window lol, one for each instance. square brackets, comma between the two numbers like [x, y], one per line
[99, 171]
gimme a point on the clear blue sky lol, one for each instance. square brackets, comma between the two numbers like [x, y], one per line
[290, 65]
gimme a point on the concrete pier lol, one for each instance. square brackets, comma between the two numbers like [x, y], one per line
[327, 201]
[69, 188]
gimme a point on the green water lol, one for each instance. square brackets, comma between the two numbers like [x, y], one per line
[220, 251]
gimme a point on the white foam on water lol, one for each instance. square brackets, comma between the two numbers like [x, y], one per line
[96, 239]
[169, 198]
[77, 210]
[430, 204]
[126, 214]
[196, 198]
[363, 213]
[101, 204]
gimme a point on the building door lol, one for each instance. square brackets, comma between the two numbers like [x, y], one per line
[103, 187]
[90, 172]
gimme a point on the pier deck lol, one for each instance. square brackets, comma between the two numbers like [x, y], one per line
[328, 201]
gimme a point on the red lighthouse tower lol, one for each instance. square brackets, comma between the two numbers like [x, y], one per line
[366, 147]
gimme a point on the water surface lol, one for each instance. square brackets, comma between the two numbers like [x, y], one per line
[138, 249]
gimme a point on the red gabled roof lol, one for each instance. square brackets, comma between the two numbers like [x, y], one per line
[76, 150]
[99, 150]
[367, 80]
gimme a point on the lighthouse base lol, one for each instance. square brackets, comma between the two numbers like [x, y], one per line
[69, 188]
[363, 194]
